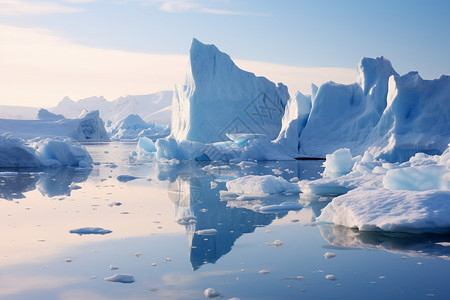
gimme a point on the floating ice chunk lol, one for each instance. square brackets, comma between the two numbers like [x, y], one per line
[293, 278]
[126, 178]
[329, 255]
[112, 267]
[339, 163]
[263, 272]
[276, 243]
[261, 185]
[213, 184]
[445, 244]
[422, 178]
[405, 211]
[8, 174]
[122, 278]
[206, 232]
[147, 145]
[283, 206]
[90, 230]
[211, 293]
[331, 277]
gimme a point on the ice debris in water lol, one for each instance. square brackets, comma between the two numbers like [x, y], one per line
[329, 255]
[206, 232]
[263, 272]
[276, 243]
[122, 278]
[126, 178]
[211, 293]
[277, 207]
[331, 277]
[90, 230]
[112, 267]
[293, 278]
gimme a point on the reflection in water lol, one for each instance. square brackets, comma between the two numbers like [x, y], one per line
[415, 245]
[195, 190]
[51, 182]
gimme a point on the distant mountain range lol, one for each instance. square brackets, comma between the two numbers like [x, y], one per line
[156, 107]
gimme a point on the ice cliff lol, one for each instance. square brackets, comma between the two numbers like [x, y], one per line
[219, 98]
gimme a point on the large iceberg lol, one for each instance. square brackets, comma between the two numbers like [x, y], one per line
[88, 128]
[397, 116]
[219, 98]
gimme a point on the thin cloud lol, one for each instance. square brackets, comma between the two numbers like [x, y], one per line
[181, 6]
[22, 7]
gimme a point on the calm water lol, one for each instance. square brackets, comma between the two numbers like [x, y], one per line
[40, 259]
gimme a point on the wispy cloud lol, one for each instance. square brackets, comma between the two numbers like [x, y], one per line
[23, 7]
[181, 6]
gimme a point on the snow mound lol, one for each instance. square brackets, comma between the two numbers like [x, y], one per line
[246, 103]
[261, 185]
[50, 152]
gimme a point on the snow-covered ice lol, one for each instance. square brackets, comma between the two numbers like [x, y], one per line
[211, 293]
[278, 207]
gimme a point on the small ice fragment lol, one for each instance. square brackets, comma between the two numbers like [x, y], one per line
[213, 185]
[168, 259]
[420, 263]
[329, 255]
[295, 179]
[206, 232]
[112, 267]
[122, 278]
[137, 254]
[204, 210]
[331, 277]
[264, 272]
[242, 270]
[404, 257]
[115, 204]
[126, 178]
[276, 243]
[295, 220]
[68, 259]
[277, 171]
[319, 271]
[382, 277]
[303, 290]
[234, 298]
[74, 186]
[93, 277]
[211, 293]
[90, 230]
[153, 265]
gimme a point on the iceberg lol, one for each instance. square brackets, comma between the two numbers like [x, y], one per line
[393, 116]
[134, 127]
[89, 128]
[219, 98]
[264, 185]
[50, 152]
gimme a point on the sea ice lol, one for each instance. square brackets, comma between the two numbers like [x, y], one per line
[122, 278]
[331, 277]
[126, 178]
[263, 272]
[90, 230]
[276, 243]
[277, 207]
[340, 162]
[329, 255]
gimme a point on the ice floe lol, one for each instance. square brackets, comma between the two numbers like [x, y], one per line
[122, 278]
[90, 230]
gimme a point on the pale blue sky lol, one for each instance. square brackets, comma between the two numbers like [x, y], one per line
[414, 35]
